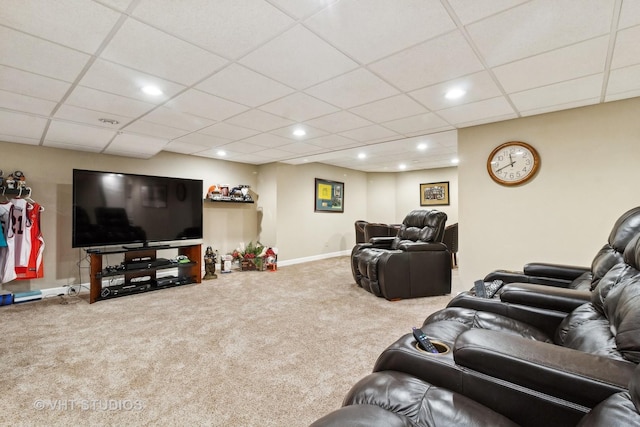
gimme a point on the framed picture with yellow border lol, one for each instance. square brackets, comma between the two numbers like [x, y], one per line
[434, 194]
[329, 196]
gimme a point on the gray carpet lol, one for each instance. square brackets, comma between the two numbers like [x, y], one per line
[247, 349]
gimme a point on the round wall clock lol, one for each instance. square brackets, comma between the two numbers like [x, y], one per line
[513, 163]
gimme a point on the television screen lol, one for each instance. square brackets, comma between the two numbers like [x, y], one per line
[116, 208]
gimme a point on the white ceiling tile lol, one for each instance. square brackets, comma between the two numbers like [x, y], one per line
[97, 100]
[339, 122]
[114, 78]
[144, 48]
[242, 147]
[310, 132]
[333, 141]
[355, 88]
[80, 25]
[299, 107]
[267, 140]
[69, 135]
[155, 130]
[19, 139]
[182, 147]
[629, 14]
[21, 125]
[389, 109]
[421, 123]
[627, 49]
[30, 84]
[370, 29]
[204, 105]
[471, 11]
[539, 26]
[207, 141]
[259, 120]
[558, 107]
[91, 117]
[43, 57]
[623, 80]
[120, 5]
[373, 132]
[227, 27]
[214, 153]
[229, 131]
[26, 104]
[478, 86]
[559, 93]
[239, 84]
[301, 148]
[299, 58]
[477, 111]
[622, 95]
[434, 61]
[302, 8]
[177, 119]
[126, 144]
[571, 62]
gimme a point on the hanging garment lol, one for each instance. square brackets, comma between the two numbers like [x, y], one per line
[33, 268]
[7, 253]
[22, 234]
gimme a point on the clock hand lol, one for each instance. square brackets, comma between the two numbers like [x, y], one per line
[509, 164]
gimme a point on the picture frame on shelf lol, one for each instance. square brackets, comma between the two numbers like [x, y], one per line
[434, 194]
[329, 196]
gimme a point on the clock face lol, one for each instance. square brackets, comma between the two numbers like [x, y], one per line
[513, 163]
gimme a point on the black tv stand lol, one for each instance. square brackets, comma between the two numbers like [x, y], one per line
[188, 273]
[146, 246]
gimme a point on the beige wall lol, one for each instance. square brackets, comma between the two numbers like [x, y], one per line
[587, 179]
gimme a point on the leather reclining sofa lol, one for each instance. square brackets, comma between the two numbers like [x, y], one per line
[548, 360]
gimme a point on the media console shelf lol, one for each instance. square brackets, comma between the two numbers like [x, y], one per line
[135, 280]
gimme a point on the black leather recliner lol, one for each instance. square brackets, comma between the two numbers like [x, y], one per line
[575, 277]
[414, 263]
[396, 399]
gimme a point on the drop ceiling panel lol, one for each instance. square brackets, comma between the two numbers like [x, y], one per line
[471, 11]
[131, 145]
[301, 8]
[153, 129]
[423, 123]
[391, 108]
[571, 62]
[24, 83]
[478, 111]
[15, 125]
[368, 30]
[558, 94]
[299, 58]
[299, 107]
[432, 62]
[205, 105]
[80, 25]
[227, 27]
[239, 84]
[43, 57]
[478, 86]
[260, 120]
[144, 48]
[369, 133]
[26, 104]
[355, 88]
[75, 136]
[97, 100]
[310, 132]
[267, 140]
[182, 147]
[229, 131]
[207, 141]
[90, 117]
[627, 49]
[333, 141]
[117, 79]
[630, 14]
[624, 80]
[539, 26]
[339, 122]
[177, 119]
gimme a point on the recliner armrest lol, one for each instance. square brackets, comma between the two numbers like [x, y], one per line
[546, 297]
[519, 277]
[558, 271]
[422, 246]
[575, 376]
[380, 242]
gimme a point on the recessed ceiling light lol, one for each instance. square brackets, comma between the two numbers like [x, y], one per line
[455, 93]
[221, 153]
[455, 161]
[152, 90]
[362, 156]
[402, 166]
[299, 132]
[109, 121]
[422, 146]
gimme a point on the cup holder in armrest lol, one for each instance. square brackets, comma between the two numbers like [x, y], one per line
[440, 346]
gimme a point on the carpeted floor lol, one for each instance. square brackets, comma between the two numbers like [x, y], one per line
[247, 349]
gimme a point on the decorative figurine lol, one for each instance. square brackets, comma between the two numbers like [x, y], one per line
[209, 264]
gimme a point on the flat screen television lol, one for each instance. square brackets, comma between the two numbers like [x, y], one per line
[112, 208]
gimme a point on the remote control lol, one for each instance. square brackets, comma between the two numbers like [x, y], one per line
[423, 341]
[481, 291]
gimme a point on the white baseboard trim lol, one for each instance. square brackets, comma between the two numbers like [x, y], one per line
[313, 258]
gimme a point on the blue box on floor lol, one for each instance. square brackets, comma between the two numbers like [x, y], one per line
[6, 298]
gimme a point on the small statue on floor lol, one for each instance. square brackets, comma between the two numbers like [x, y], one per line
[209, 264]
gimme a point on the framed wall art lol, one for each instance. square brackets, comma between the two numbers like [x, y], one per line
[329, 196]
[434, 194]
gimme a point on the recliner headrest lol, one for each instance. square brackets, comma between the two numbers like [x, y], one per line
[422, 225]
[632, 252]
[625, 228]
